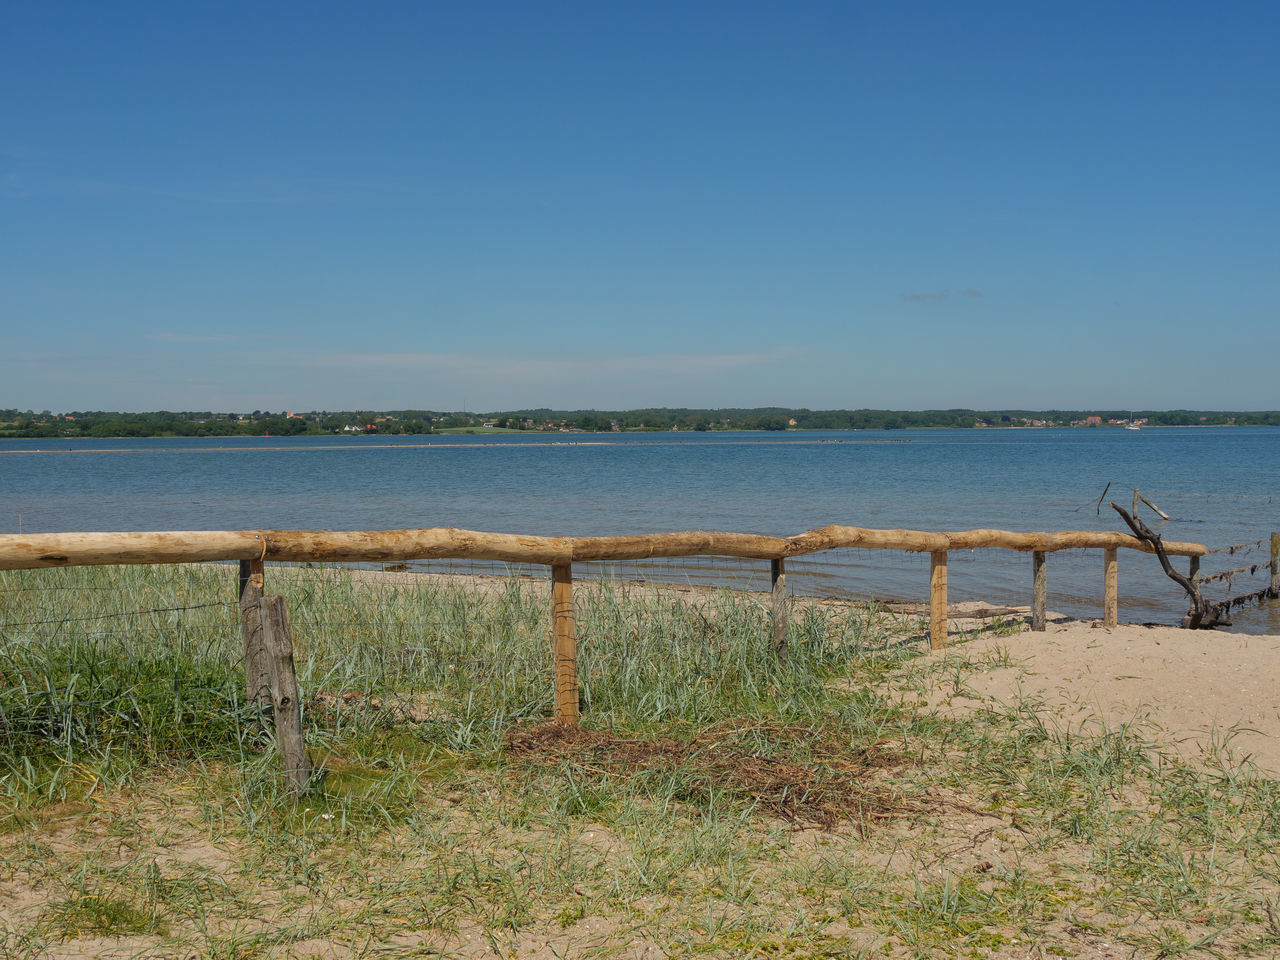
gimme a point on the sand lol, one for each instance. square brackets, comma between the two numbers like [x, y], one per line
[1196, 690]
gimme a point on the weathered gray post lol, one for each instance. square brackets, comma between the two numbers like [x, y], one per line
[1039, 590]
[778, 606]
[1275, 568]
[285, 695]
[257, 667]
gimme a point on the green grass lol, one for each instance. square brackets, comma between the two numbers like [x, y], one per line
[713, 808]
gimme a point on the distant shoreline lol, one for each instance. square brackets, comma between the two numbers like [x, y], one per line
[213, 426]
[372, 445]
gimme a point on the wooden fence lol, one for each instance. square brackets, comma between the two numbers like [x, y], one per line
[265, 625]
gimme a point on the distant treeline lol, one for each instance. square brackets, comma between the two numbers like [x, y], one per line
[163, 423]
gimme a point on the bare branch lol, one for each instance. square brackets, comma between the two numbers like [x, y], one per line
[1202, 615]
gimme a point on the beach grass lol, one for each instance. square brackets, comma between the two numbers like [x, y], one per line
[715, 803]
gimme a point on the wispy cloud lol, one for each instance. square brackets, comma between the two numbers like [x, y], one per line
[531, 369]
[497, 380]
[233, 378]
[169, 336]
[940, 295]
[298, 191]
[22, 153]
[222, 196]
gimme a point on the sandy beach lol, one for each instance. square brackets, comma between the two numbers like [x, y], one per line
[1200, 692]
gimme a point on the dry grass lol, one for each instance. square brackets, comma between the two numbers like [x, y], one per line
[729, 760]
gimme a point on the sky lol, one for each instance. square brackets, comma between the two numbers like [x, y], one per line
[487, 206]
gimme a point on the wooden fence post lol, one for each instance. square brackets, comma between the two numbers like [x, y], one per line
[257, 664]
[778, 607]
[564, 644]
[1039, 590]
[1193, 571]
[1111, 594]
[938, 600]
[285, 695]
[1275, 569]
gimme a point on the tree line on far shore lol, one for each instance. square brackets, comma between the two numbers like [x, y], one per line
[163, 423]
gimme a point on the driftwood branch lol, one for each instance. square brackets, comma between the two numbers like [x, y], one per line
[1138, 495]
[1160, 513]
[1202, 615]
[1098, 509]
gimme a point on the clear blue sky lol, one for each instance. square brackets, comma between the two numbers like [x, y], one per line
[914, 204]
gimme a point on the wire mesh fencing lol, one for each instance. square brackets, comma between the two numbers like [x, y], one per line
[982, 578]
[103, 658]
[1239, 574]
[131, 663]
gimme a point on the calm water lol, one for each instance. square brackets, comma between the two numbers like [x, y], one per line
[1217, 483]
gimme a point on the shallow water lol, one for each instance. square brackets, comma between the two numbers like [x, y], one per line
[1217, 483]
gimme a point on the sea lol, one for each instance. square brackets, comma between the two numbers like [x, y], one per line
[1218, 484]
